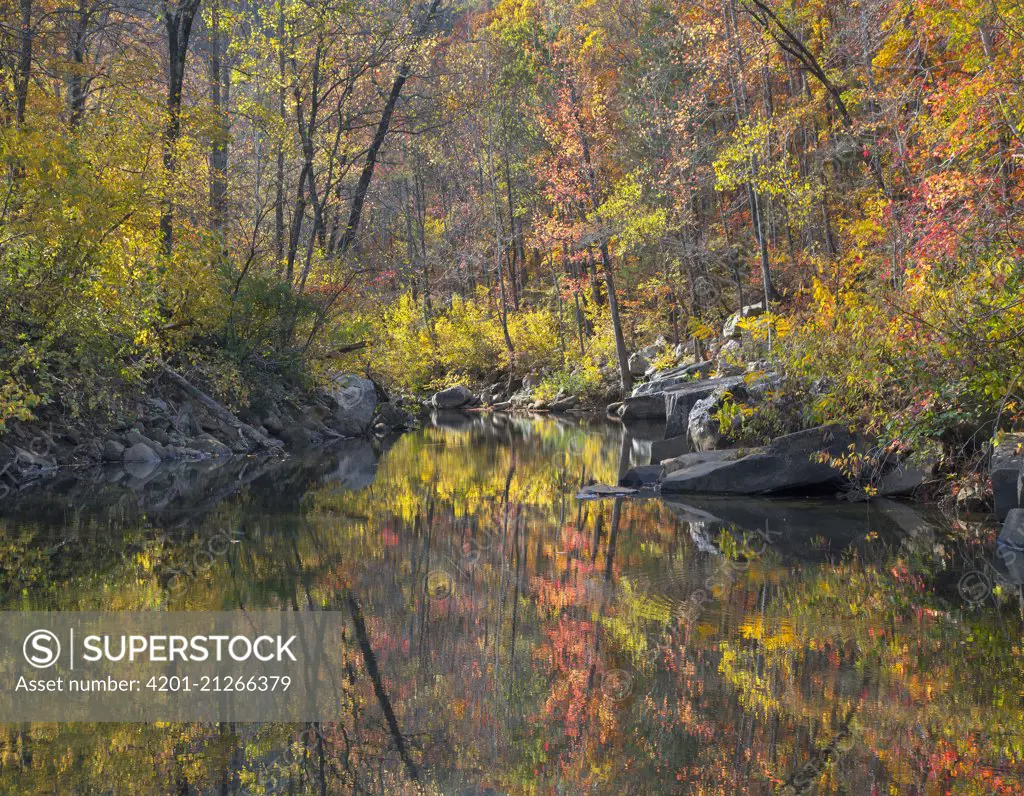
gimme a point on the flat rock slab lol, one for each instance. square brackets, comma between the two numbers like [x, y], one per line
[669, 379]
[784, 466]
[1007, 468]
[603, 491]
[688, 460]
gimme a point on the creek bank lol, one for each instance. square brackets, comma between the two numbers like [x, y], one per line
[709, 444]
[177, 421]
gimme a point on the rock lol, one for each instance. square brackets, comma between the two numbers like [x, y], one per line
[134, 438]
[113, 451]
[667, 379]
[693, 459]
[668, 448]
[642, 407]
[504, 406]
[1009, 555]
[1006, 467]
[356, 400]
[601, 491]
[394, 417]
[680, 400]
[43, 461]
[651, 351]
[210, 445]
[703, 428]
[901, 481]
[140, 453]
[272, 423]
[452, 398]
[731, 328]
[784, 466]
[563, 404]
[638, 364]
[643, 477]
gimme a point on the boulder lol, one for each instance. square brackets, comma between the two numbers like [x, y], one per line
[140, 453]
[643, 477]
[134, 437]
[638, 364]
[563, 404]
[642, 407]
[452, 398]
[680, 400]
[113, 451]
[901, 481]
[703, 427]
[356, 400]
[1009, 557]
[1006, 467]
[787, 465]
[731, 328]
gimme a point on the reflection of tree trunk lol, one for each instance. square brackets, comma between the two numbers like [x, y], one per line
[610, 557]
[370, 661]
[625, 451]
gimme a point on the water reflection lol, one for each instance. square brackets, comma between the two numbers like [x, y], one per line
[508, 638]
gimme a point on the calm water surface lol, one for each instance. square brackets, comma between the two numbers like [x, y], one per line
[531, 642]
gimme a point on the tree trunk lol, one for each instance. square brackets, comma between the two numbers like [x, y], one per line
[178, 21]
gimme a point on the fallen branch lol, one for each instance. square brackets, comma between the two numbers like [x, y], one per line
[220, 412]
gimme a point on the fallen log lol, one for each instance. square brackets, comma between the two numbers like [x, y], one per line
[219, 411]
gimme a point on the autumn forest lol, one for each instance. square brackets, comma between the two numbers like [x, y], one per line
[440, 192]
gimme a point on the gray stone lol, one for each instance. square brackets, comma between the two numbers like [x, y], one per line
[601, 491]
[667, 448]
[667, 379]
[273, 424]
[563, 404]
[688, 460]
[133, 438]
[210, 445]
[356, 400]
[393, 416]
[787, 465]
[643, 477]
[1009, 557]
[452, 398]
[902, 481]
[731, 328]
[638, 364]
[1007, 463]
[680, 400]
[141, 453]
[113, 451]
[642, 407]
